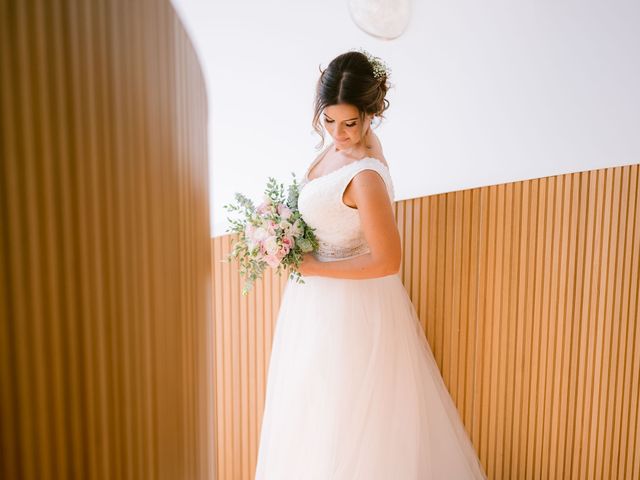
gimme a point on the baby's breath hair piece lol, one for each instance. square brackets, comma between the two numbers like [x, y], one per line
[380, 69]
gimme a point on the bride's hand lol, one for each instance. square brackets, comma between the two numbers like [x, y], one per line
[307, 265]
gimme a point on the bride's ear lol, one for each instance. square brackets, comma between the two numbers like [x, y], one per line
[367, 122]
[367, 135]
[371, 121]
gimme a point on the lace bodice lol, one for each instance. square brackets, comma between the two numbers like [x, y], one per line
[337, 226]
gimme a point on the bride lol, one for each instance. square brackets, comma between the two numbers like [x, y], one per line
[353, 390]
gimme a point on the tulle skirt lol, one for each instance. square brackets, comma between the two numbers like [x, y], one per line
[354, 392]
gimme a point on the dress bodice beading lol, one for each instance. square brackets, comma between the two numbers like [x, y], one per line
[337, 225]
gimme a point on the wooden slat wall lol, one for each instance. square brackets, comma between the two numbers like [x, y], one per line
[243, 331]
[528, 294]
[105, 297]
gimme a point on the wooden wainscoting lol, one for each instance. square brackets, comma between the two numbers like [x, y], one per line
[528, 294]
[105, 306]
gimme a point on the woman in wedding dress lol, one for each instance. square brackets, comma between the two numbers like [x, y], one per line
[353, 390]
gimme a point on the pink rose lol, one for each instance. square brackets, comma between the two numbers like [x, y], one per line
[287, 244]
[272, 260]
[284, 211]
[271, 227]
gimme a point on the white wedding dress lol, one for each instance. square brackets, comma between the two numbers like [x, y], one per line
[353, 390]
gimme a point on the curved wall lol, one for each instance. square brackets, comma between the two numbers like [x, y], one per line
[105, 333]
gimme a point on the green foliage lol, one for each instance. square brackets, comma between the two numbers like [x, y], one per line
[251, 260]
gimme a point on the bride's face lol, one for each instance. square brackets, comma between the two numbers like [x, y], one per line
[342, 121]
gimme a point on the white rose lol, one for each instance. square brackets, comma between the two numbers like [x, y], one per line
[271, 245]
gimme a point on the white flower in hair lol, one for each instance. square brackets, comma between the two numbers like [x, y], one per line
[380, 69]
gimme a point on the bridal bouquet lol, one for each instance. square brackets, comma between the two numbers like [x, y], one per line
[272, 234]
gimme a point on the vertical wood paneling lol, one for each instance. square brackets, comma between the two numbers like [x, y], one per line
[244, 332]
[106, 332]
[528, 294]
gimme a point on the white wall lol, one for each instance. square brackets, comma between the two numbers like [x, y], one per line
[485, 92]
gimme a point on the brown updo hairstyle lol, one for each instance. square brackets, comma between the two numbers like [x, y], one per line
[349, 79]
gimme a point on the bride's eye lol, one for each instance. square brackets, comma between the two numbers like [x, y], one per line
[347, 124]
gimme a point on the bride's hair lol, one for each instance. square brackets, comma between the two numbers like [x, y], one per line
[349, 78]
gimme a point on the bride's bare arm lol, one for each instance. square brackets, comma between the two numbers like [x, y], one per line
[369, 193]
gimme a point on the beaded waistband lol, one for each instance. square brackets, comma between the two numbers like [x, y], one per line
[329, 251]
